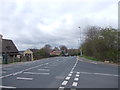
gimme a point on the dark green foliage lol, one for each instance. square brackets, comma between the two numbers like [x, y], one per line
[43, 52]
[101, 43]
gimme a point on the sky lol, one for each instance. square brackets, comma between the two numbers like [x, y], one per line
[34, 23]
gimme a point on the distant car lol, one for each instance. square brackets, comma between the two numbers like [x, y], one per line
[66, 54]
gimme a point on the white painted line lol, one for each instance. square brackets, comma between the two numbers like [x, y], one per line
[17, 73]
[70, 74]
[67, 78]
[74, 66]
[74, 84]
[61, 88]
[6, 76]
[100, 74]
[76, 79]
[7, 87]
[77, 75]
[78, 72]
[105, 74]
[44, 69]
[21, 71]
[64, 82]
[22, 78]
[36, 73]
[86, 72]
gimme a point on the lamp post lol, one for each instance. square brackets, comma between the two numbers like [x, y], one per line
[81, 41]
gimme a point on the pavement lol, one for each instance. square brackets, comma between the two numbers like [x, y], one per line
[60, 73]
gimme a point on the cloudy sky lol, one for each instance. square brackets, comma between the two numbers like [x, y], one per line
[34, 23]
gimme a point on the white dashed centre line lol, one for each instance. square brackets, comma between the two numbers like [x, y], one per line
[77, 75]
[70, 75]
[67, 78]
[64, 82]
[78, 72]
[71, 72]
[76, 79]
[74, 84]
[61, 88]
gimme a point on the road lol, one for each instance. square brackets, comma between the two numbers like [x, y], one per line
[59, 72]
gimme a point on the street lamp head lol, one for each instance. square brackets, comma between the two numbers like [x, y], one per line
[78, 27]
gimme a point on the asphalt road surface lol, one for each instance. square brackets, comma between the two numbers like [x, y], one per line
[59, 72]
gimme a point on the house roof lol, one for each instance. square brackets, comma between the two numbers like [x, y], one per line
[34, 50]
[8, 46]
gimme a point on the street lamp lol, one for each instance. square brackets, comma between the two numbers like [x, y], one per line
[81, 41]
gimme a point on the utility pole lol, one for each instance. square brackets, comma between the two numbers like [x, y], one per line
[81, 41]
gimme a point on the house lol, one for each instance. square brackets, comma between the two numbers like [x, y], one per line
[9, 50]
[28, 54]
[55, 52]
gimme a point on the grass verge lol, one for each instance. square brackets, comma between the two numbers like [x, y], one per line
[91, 58]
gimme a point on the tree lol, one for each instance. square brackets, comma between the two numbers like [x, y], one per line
[63, 48]
[101, 43]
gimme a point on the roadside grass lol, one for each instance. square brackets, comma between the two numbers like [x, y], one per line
[90, 58]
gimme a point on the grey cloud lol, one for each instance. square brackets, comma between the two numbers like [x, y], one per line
[58, 21]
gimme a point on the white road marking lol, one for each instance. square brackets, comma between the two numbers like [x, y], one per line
[105, 74]
[36, 73]
[78, 72]
[64, 82]
[99, 74]
[74, 66]
[7, 87]
[22, 71]
[61, 88]
[67, 78]
[74, 84]
[76, 79]
[17, 73]
[22, 78]
[6, 76]
[77, 75]
[44, 69]
[70, 74]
